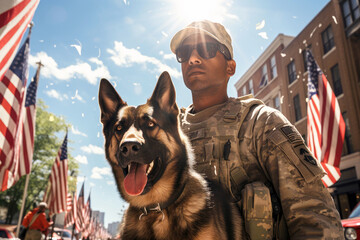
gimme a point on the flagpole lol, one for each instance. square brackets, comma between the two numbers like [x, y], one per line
[52, 229]
[23, 204]
[28, 175]
[73, 230]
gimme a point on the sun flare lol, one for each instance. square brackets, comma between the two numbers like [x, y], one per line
[192, 10]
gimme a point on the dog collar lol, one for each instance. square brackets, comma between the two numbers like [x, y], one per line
[160, 206]
[155, 208]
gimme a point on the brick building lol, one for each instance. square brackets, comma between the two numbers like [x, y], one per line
[279, 78]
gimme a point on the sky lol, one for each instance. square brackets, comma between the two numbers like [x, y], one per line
[127, 42]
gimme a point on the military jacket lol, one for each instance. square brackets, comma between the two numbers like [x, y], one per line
[244, 141]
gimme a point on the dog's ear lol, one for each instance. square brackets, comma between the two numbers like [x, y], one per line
[164, 94]
[109, 100]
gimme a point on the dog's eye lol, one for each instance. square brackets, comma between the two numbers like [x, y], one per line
[118, 127]
[151, 124]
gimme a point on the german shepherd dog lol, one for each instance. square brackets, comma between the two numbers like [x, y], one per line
[151, 160]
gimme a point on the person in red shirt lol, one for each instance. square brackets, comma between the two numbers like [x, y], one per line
[36, 222]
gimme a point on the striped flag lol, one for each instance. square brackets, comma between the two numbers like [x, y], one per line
[71, 214]
[79, 221]
[28, 130]
[87, 210]
[69, 200]
[87, 218]
[325, 124]
[15, 16]
[57, 196]
[12, 91]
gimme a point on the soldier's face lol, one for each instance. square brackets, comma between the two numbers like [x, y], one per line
[202, 74]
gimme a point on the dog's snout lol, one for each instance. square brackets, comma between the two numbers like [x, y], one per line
[130, 149]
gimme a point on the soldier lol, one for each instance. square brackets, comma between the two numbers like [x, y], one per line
[251, 149]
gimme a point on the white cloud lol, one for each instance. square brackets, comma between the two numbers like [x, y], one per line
[263, 35]
[137, 88]
[77, 132]
[79, 70]
[55, 94]
[98, 173]
[81, 159]
[127, 57]
[169, 56]
[92, 149]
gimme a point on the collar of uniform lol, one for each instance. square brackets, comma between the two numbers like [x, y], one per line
[202, 115]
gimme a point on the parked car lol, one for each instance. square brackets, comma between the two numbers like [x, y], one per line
[352, 224]
[6, 231]
[60, 234]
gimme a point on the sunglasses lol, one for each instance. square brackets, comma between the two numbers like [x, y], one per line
[205, 50]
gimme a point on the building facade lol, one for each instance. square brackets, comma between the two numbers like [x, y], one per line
[113, 228]
[100, 216]
[333, 37]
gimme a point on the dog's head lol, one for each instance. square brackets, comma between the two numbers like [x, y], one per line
[144, 145]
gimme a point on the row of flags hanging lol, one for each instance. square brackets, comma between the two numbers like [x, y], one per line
[17, 109]
[17, 122]
[18, 106]
[79, 215]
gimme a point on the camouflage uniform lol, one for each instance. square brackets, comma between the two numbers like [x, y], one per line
[264, 147]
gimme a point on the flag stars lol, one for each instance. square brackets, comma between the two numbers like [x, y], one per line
[63, 150]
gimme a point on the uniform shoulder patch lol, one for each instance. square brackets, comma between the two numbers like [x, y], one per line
[291, 134]
[307, 155]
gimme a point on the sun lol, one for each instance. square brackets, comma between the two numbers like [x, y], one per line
[193, 10]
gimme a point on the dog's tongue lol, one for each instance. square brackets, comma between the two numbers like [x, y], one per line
[135, 181]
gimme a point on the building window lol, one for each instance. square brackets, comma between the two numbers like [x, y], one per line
[273, 67]
[328, 39]
[336, 80]
[297, 108]
[347, 147]
[244, 91]
[304, 57]
[276, 101]
[251, 87]
[291, 71]
[351, 11]
[264, 77]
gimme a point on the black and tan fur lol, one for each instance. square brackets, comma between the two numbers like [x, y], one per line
[191, 208]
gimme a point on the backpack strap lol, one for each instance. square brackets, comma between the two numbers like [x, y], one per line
[33, 219]
[238, 175]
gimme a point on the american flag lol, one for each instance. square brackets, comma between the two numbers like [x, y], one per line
[69, 200]
[71, 214]
[28, 130]
[87, 211]
[87, 218]
[57, 196]
[15, 16]
[325, 124]
[79, 221]
[12, 91]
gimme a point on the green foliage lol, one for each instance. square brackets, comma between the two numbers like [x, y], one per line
[50, 131]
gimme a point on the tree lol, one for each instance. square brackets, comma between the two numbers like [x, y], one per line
[49, 134]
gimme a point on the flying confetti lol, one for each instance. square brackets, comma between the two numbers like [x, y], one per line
[260, 25]
[263, 35]
[77, 47]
